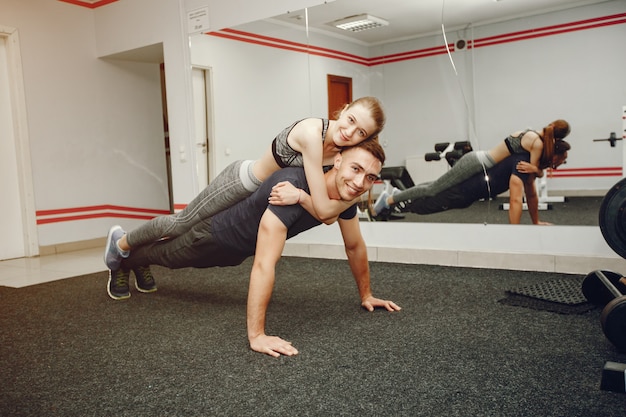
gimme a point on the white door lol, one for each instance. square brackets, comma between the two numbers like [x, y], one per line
[203, 122]
[15, 181]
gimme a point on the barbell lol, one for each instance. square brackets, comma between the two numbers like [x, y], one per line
[612, 218]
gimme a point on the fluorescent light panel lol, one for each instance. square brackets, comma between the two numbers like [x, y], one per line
[360, 22]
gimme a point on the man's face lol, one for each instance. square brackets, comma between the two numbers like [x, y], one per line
[358, 170]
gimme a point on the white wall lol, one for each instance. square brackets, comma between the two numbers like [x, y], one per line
[89, 120]
[127, 25]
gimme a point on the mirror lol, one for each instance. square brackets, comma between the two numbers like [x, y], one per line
[474, 93]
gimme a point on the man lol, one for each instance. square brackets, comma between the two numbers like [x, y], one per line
[253, 227]
[512, 174]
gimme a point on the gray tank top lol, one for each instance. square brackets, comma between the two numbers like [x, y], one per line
[285, 155]
[514, 143]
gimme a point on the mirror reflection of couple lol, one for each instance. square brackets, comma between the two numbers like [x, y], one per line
[511, 165]
[231, 220]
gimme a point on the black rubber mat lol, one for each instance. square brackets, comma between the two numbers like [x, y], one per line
[564, 291]
[562, 296]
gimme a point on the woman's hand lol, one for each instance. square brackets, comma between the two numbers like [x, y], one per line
[528, 168]
[284, 194]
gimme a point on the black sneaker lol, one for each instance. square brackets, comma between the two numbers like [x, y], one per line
[144, 280]
[118, 284]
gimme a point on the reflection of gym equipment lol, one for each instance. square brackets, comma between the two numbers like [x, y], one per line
[450, 151]
[611, 139]
[400, 178]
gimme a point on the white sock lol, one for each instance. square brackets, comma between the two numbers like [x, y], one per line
[249, 181]
[123, 253]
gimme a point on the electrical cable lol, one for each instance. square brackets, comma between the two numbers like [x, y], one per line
[465, 102]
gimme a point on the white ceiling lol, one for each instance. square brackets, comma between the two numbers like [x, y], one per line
[415, 18]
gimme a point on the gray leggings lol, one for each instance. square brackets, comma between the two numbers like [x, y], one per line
[195, 248]
[468, 165]
[224, 191]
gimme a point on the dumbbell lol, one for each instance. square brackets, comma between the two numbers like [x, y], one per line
[453, 156]
[600, 286]
[596, 292]
[464, 147]
[432, 156]
[440, 148]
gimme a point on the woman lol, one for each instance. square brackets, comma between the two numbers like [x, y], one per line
[297, 145]
[540, 145]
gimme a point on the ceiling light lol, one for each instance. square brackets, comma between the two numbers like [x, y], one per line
[360, 22]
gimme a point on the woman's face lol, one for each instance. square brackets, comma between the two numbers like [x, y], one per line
[354, 126]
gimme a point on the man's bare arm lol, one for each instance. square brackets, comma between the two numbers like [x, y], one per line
[270, 243]
[356, 251]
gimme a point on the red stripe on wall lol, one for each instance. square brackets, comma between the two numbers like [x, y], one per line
[93, 216]
[598, 174]
[588, 169]
[89, 5]
[96, 212]
[586, 172]
[295, 44]
[405, 56]
[287, 45]
[482, 42]
[101, 207]
[262, 40]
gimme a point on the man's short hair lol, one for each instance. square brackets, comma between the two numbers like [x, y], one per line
[372, 146]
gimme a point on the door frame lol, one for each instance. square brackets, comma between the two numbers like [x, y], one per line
[209, 124]
[21, 140]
